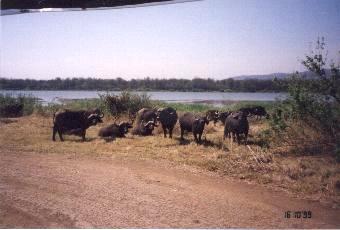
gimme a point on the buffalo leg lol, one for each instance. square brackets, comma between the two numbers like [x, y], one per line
[195, 136]
[164, 130]
[54, 132]
[60, 135]
[170, 132]
[182, 133]
[200, 137]
[238, 138]
[83, 135]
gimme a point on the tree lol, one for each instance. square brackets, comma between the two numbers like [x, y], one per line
[315, 99]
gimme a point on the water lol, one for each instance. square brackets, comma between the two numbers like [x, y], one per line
[216, 98]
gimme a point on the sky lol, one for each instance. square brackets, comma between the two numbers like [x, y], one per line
[209, 39]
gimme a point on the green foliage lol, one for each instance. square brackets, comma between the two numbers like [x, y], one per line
[314, 100]
[17, 106]
[184, 107]
[277, 123]
[85, 104]
[126, 102]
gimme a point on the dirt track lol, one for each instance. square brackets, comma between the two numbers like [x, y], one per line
[39, 190]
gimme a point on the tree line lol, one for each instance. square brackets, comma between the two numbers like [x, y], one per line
[146, 84]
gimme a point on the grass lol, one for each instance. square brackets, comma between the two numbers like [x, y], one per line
[201, 108]
[296, 160]
[192, 107]
[311, 176]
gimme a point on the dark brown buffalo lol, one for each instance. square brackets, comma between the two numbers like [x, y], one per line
[168, 118]
[146, 121]
[74, 122]
[146, 114]
[193, 123]
[222, 116]
[144, 128]
[212, 115]
[115, 130]
[258, 111]
[236, 124]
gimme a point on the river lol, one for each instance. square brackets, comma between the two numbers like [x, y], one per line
[182, 97]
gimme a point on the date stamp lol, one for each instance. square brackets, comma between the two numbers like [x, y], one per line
[298, 214]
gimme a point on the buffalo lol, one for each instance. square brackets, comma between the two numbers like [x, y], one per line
[222, 116]
[168, 118]
[212, 115]
[115, 130]
[193, 123]
[146, 121]
[146, 114]
[75, 122]
[257, 111]
[144, 128]
[236, 124]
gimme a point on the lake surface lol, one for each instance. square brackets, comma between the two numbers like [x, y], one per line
[216, 98]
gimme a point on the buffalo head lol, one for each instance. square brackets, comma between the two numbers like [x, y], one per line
[124, 127]
[94, 118]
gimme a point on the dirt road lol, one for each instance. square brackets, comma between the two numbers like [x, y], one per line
[38, 190]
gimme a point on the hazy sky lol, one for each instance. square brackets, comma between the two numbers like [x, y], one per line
[210, 38]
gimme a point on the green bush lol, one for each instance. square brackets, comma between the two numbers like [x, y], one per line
[184, 107]
[21, 105]
[126, 102]
[313, 100]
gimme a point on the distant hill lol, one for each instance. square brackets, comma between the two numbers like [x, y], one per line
[279, 76]
[263, 77]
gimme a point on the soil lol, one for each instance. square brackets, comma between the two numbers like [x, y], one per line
[75, 191]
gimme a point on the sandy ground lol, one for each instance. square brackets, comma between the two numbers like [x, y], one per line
[56, 190]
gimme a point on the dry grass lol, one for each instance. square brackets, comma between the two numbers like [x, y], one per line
[313, 176]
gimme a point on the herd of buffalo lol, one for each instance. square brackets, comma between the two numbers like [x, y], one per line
[235, 123]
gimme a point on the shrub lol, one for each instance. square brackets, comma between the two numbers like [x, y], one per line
[11, 106]
[309, 119]
[185, 107]
[314, 99]
[126, 102]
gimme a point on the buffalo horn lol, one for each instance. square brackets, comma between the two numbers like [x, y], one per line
[150, 122]
[92, 115]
